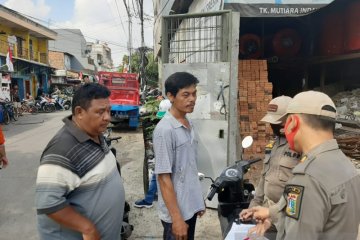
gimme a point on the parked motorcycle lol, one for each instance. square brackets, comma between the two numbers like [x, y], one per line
[44, 105]
[61, 102]
[149, 94]
[234, 192]
[126, 228]
[8, 112]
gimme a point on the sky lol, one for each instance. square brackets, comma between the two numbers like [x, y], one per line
[103, 20]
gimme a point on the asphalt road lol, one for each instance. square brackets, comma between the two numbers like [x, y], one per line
[25, 141]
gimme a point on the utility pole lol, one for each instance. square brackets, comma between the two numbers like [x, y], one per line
[130, 33]
[142, 50]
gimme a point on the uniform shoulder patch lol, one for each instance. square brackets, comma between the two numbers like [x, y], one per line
[293, 195]
[269, 146]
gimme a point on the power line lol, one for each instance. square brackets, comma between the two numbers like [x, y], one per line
[69, 30]
[159, 14]
[114, 44]
[136, 14]
[122, 24]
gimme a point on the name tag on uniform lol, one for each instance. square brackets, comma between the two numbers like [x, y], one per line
[294, 194]
[291, 154]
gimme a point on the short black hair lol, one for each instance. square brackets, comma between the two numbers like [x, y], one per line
[179, 80]
[319, 122]
[86, 93]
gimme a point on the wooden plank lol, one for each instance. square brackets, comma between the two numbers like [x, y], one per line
[328, 59]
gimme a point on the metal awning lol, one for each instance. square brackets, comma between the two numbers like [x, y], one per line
[275, 8]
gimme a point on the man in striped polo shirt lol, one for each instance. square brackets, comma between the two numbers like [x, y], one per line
[79, 192]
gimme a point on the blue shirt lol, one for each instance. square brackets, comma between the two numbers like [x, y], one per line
[175, 149]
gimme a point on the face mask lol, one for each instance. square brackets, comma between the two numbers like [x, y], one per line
[291, 135]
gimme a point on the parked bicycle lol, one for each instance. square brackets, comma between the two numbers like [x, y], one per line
[28, 107]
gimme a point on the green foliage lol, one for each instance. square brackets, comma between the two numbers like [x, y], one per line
[150, 120]
[152, 105]
[125, 61]
[151, 70]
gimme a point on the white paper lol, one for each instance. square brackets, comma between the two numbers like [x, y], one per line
[240, 232]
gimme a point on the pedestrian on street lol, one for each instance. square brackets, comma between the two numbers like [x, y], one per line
[39, 93]
[147, 202]
[15, 97]
[278, 164]
[3, 159]
[180, 196]
[29, 98]
[322, 200]
[86, 79]
[79, 192]
[56, 91]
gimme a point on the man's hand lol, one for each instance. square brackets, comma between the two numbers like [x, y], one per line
[70, 218]
[4, 162]
[93, 234]
[260, 228]
[180, 230]
[246, 214]
[260, 213]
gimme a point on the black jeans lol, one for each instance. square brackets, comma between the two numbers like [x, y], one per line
[191, 230]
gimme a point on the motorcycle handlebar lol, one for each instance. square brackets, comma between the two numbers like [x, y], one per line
[113, 139]
[211, 193]
[254, 161]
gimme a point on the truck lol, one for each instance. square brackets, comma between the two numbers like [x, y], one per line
[124, 98]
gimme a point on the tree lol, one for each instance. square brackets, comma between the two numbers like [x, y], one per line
[125, 61]
[151, 69]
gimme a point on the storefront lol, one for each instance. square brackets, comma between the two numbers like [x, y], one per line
[283, 52]
[29, 76]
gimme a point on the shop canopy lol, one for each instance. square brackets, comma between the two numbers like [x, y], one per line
[275, 8]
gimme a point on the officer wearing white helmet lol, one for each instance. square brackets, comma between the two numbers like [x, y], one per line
[278, 162]
[322, 200]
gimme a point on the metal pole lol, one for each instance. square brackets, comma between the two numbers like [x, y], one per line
[142, 52]
[130, 33]
[130, 42]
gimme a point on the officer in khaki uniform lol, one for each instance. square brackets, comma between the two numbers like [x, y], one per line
[322, 200]
[278, 162]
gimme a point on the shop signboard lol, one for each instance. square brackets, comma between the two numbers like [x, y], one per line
[275, 8]
[5, 86]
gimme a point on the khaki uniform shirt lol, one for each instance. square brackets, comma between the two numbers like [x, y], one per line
[322, 200]
[279, 162]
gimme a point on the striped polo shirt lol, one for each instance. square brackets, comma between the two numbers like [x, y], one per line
[75, 171]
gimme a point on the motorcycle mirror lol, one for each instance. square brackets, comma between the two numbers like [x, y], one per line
[247, 142]
[107, 132]
[201, 176]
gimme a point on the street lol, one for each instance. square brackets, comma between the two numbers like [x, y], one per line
[25, 141]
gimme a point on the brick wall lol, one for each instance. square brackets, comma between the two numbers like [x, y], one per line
[56, 60]
[255, 93]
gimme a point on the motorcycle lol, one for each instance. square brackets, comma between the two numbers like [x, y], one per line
[8, 112]
[234, 192]
[126, 228]
[44, 105]
[62, 102]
